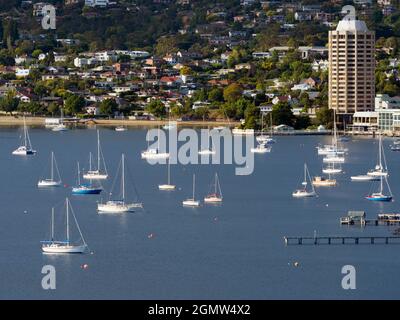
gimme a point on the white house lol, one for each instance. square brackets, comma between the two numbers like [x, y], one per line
[97, 3]
[22, 72]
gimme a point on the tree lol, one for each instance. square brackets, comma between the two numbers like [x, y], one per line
[216, 95]
[250, 116]
[74, 104]
[53, 108]
[232, 92]
[324, 116]
[282, 114]
[186, 71]
[9, 103]
[108, 107]
[156, 108]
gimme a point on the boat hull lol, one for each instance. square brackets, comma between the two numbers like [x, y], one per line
[22, 152]
[57, 249]
[48, 184]
[213, 200]
[84, 191]
[166, 187]
[117, 207]
[379, 198]
[363, 178]
[95, 176]
[191, 203]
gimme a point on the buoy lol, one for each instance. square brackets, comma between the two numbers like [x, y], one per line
[327, 205]
[296, 264]
[216, 219]
[85, 266]
[25, 211]
[150, 236]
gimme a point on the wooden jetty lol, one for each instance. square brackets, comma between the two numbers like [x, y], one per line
[336, 240]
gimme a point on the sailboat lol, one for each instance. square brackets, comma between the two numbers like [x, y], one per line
[303, 193]
[64, 246]
[85, 188]
[155, 153]
[208, 151]
[170, 125]
[168, 186]
[331, 169]
[216, 195]
[191, 202]
[379, 196]
[120, 128]
[119, 205]
[332, 151]
[381, 167]
[26, 148]
[61, 126]
[97, 174]
[261, 148]
[51, 182]
[262, 138]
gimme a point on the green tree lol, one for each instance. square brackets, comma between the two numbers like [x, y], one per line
[156, 108]
[74, 104]
[232, 92]
[108, 107]
[324, 116]
[282, 114]
[9, 103]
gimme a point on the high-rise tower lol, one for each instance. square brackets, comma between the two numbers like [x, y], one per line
[351, 66]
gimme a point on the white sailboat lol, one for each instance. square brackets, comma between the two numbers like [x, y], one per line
[97, 174]
[168, 186]
[26, 148]
[216, 195]
[64, 246]
[192, 202]
[332, 151]
[381, 167]
[119, 205]
[303, 193]
[263, 138]
[209, 150]
[51, 182]
[120, 128]
[261, 148]
[155, 153]
[61, 126]
[332, 169]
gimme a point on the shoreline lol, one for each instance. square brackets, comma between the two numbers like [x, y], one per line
[13, 121]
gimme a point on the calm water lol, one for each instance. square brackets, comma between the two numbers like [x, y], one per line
[233, 251]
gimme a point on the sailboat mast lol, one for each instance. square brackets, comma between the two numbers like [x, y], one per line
[52, 166]
[169, 172]
[25, 134]
[380, 151]
[52, 224]
[123, 177]
[194, 183]
[79, 175]
[98, 150]
[216, 181]
[67, 202]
